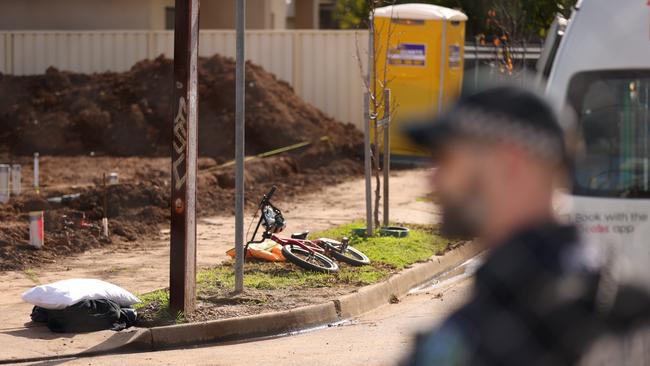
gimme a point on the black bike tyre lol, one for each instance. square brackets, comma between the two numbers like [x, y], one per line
[359, 259]
[330, 265]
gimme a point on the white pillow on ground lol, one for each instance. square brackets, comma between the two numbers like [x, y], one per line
[61, 294]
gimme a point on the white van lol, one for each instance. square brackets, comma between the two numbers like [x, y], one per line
[602, 71]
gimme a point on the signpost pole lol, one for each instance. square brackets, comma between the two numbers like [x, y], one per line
[182, 279]
[240, 83]
[366, 130]
[386, 169]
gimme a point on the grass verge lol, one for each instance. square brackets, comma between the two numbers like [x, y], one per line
[387, 254]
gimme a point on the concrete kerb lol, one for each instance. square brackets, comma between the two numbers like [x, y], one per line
[373, 296]
[345, 307]
[243, 327]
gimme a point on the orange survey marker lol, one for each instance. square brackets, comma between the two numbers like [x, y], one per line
[267, 251]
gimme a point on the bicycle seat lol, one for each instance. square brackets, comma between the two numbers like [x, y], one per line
[301, 236]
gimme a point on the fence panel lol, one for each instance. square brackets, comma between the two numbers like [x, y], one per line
[270, 49]
[161, 43]
[34, 52]
[329, 74]
[273, 51]
[4, 52]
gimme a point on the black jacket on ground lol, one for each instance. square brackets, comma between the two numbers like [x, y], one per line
[86, 316]
[540, 298]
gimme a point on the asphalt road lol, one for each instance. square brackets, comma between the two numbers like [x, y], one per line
[381, 337]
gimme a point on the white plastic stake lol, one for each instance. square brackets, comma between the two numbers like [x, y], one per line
[113, 178]
[16, 179]
[105, 227]
[4, 183]
[36, 183]
[36, 229]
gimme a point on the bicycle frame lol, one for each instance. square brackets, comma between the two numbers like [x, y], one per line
[308, 245]
[304, 244]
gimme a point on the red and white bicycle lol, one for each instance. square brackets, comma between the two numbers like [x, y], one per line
[316, 255]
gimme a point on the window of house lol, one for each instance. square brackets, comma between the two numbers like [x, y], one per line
[326, 16]
[169, 17]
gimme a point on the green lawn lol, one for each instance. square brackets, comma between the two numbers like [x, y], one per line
[388, 255]
[396, 253]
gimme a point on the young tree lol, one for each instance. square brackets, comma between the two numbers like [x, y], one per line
[376, 83]
[512, 24]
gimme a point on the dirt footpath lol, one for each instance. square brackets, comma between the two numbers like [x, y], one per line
[146, 267]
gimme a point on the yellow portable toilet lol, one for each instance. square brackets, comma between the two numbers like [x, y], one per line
[419, 56]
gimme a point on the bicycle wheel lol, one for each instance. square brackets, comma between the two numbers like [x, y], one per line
[352, 256]
[309, 260]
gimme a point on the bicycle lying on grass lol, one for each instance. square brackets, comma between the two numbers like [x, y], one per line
[315, 255]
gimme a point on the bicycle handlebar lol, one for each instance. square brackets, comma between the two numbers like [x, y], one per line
[271, 192]
[267, 197]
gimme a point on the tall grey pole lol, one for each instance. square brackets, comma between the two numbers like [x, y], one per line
[523, 74]
[240, 94]
[386, 155]
[476, 65]
[366, 163]
[366, 130]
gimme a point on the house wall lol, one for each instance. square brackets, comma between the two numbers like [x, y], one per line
[306, 14]
[219, 14]
[131, 14]
[82, 14]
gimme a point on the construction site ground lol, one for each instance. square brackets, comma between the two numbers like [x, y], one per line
[143, 266]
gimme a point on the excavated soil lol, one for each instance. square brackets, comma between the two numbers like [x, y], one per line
[88, 125]
[129, 114]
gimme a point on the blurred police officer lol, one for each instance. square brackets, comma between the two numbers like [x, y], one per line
[541, 297]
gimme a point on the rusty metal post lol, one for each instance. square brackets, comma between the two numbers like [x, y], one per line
[182, 281]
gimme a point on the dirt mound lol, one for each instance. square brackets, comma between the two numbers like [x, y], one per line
[129, 113]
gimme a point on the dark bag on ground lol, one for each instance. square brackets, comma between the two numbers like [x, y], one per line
[86, 316]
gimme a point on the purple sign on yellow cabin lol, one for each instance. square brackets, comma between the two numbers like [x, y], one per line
[408, 54]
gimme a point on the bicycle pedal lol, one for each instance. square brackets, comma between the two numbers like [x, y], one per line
[345, 241]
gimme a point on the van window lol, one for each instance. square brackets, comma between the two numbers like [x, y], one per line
[613, 120]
